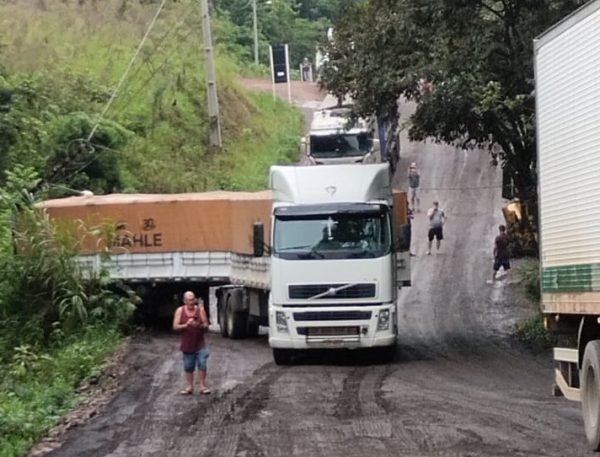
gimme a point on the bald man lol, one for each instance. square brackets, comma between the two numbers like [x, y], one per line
[190, 319]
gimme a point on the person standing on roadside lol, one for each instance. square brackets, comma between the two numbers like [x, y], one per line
[501, 254]
[191, 321]
[414, 180]
[437, 219]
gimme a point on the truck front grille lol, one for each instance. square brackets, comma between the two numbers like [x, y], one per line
[332, 315]
[306, 291]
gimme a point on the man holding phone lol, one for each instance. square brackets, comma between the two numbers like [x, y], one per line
[190, 319]
[437, 218]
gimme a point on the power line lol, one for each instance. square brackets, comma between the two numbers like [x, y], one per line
[139, 48]
[162, 41]
[143, 86]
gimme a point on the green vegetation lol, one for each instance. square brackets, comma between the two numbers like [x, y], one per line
[529, 273]
[533, 334]
[302, 25]
[57, 321]
[60, 63]
[37, 387]
[154, 136]
[467, 64]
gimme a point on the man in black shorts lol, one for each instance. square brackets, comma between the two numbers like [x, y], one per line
[501, 255]
[437, 218]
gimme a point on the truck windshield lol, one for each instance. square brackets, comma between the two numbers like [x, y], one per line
[340, 145]
[337, 236]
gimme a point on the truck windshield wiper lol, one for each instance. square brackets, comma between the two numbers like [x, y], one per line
[362, 254]
[289, 248]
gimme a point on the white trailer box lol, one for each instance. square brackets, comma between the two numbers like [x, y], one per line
[567, 65]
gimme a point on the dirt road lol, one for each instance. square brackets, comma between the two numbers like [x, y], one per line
[459, 386]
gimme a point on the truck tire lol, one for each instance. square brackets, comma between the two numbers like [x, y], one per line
[223, 320]
[252, 327]
[236, 321]
[590, 393]
[386, 354]
[222, 315]
[282, 356]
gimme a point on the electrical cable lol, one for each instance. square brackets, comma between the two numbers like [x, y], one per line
[162, 41]
[139, 48]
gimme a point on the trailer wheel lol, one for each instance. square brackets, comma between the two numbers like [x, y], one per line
[252, 328]
[282, 356]
[236, 321]
[222, 315]
[590, 393]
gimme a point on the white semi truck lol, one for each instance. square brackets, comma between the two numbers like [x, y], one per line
[334, 138]
[567, 61]
[338, 245]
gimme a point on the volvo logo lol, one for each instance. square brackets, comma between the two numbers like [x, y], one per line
[332, 291]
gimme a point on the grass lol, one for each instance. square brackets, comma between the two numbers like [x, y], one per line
[529, 272]
[163, 100]
[533, 334]
[38, 387]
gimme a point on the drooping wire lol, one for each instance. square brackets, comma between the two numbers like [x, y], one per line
[160, 43]
[124, 76]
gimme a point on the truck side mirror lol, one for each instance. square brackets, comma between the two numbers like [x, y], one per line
[304, 145]
[258, 239]
[376, 145]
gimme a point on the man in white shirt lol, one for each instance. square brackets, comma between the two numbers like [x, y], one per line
[437, 218]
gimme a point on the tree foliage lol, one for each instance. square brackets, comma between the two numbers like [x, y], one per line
[477, 56]
[302, 25]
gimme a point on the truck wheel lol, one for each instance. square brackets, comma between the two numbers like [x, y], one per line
[282, 356]
[252, 328]
[590, 393]
[223, 321]
[387, 354]
[236, 321]
[222, 314]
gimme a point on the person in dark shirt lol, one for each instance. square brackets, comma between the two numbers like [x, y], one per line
[501, 254]
[191, 321]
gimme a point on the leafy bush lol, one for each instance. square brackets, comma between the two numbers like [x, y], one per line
[43, 290]
[533, 334]
[37, 388]
[529, 272]
[57, 320]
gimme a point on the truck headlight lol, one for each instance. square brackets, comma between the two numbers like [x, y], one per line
[281, 322]
[383, 323]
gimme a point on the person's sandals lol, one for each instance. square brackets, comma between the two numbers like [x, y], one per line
[186, 392]
[205, 391]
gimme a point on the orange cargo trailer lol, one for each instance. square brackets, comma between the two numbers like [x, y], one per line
[147, 223]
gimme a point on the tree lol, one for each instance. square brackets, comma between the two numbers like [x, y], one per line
[477, 56]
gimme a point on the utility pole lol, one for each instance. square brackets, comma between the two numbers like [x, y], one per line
[211, 78]
[255, 26]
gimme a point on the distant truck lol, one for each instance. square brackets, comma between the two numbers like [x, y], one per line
[337, 252]
[335, 139]
[567, 59]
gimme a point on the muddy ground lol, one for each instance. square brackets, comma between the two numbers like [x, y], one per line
[460, 386]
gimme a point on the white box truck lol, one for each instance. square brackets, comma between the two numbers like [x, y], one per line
[337, 239]
[567, 89]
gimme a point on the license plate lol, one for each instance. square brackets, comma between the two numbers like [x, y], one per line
[332, 331]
